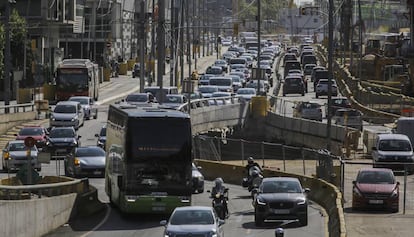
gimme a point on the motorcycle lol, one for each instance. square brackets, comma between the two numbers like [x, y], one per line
[255, 184]
[247, 181]
[219, 203]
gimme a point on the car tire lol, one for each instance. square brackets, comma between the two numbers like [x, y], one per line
[201, 190]
[258, 221]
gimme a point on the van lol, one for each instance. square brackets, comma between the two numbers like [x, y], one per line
[395, 149]
[405, 125]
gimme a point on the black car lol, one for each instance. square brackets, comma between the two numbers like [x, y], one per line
[62, 140]
[101, 137]
[281, 198]
[198, 179]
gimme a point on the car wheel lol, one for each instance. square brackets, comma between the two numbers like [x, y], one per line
[395, 210]
[303, 220]
[201, 190]
[258, 221]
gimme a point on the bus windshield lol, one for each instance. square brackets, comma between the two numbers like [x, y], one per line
[159, 154]
[72, 80]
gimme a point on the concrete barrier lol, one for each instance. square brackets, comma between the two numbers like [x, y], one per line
[7, 121]
[322, 192]
[34, 217]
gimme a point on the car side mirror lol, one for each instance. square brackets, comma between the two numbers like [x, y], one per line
[79, 136]
[163, 222]
[199, 167]
[221, 222]
[353, 182]
[307, 190]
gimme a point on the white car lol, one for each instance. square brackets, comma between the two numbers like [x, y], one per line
[87, 104]
[322, 88]
[67, 114]
[246, 93]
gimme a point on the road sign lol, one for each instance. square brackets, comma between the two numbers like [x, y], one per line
[29, 141]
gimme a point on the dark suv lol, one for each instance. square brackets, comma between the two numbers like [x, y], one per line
[293, 84]
[62, 140]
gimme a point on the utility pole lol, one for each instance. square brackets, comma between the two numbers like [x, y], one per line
[142, 66]
[188, 39]
[172, 42]
[161, 46]
[152, 54]
[182, 40]
[330, 70]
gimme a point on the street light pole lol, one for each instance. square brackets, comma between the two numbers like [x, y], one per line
[258, 48]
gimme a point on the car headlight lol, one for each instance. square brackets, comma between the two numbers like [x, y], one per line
[52, 117]
[394, 194]
[74, 143]
[380, 157]
[74, 118]
[260, 202]
[76, 162]
[301, 201]
[357, 192]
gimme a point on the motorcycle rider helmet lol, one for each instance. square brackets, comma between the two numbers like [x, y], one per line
[250, 160]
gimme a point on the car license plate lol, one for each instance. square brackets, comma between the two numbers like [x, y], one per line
[158, 208]
[281, 211]
[97, 172]
[376, 201]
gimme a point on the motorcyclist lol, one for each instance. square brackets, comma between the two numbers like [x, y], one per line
[220, 188]
[251, 163]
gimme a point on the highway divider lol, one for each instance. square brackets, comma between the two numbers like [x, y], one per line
[325, 194]
[34, 210]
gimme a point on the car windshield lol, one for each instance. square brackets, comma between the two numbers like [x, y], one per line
[281, 187]
[62, 133]
[207, 89]
[394, 145]
[19, 147]
[89, 152]
[375, 177]
[66, 109]
[173, 99]
[102, 132]
[31, 131]
[192, 217]
[82, 101]
[246, 92]
[137, 98]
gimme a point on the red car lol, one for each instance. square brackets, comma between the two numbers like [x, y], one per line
[375, 188]
[37, 132]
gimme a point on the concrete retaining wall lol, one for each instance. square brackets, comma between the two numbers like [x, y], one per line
[8, 121]
[35, 217]
[324, 193]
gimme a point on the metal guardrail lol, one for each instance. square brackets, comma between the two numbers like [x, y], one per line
[17, 108]
[18, 192]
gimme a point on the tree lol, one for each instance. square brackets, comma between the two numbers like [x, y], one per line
[18, 43]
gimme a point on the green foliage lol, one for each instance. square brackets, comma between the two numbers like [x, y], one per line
[269, 10]
[18, 32]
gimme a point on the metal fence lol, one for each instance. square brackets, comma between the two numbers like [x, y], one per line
[17, 108]
[339, 171]
[298, 160]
